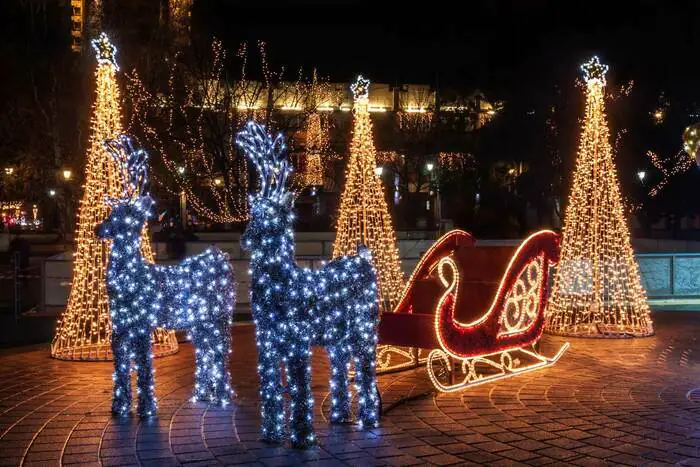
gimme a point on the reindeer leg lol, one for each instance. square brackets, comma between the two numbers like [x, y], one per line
[222, 352]
[302, 404]
[121, 397]
[271, 392]
[201, 373]
[208, 354]
[340, 393]
[146, 380]
[365, 376]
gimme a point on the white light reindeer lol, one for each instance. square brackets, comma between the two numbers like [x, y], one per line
[335, 307]
[198, 294]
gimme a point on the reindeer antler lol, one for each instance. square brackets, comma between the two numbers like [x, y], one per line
[268, 155]
[132, 163]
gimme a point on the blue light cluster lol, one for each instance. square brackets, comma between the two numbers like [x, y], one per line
[198, 294]
[295, 308]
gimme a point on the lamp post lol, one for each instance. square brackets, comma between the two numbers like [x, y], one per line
[430, 167]
[65, 197]
[183, 209]
[183, 200]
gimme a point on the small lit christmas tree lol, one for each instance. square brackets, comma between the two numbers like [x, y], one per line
[597, 289]
[364, 215]
[84, 330]
[318, 154]
[316, 148]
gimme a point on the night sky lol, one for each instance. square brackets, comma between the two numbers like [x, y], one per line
[505, 48]
[525, 53]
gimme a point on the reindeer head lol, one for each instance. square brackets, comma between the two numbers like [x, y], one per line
[272, 207]
[131, 210]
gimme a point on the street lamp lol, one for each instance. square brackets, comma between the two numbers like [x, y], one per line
[52, 192]
[181, 170]
[217, 181]
[9, 170]
[434, 190]
[378, 170]
[183, 209]
[67, 174]
[641, 175]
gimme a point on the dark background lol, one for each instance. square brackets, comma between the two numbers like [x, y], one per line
[526, 54]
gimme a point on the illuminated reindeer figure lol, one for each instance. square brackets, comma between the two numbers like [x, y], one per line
[198, 294]
[293, 308]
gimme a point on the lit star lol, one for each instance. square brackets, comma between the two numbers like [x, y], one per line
[360, 88]
[105, 50]
[593, 70]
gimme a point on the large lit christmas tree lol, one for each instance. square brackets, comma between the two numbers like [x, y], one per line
[364, 215]
[597, 289]
[84, 330]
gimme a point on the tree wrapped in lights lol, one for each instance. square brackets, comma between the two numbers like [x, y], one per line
[597, 289]
[84, 329]
[294, 308]
[190, 123]
[318, 154]
[198, 295]
[316, 149]
[364, 214]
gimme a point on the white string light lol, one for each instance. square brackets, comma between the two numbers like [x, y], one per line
[198, 295]
[294, 308]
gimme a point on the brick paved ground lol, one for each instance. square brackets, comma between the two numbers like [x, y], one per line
[633, 402]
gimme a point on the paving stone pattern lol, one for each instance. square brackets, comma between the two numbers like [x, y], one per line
[607, 402]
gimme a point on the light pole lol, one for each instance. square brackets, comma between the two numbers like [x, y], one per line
[183, 209]
[66, 198]
[430, 167]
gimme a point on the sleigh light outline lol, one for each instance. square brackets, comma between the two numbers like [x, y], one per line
[489, 347]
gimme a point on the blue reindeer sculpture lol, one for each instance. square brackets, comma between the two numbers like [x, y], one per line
[335, 307]
[198, 294]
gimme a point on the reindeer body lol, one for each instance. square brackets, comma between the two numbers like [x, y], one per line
[198, 294]
[294, 309]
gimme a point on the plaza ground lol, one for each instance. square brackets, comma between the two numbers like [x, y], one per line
[606, 402]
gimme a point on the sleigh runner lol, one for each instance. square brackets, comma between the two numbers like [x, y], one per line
[451, 318]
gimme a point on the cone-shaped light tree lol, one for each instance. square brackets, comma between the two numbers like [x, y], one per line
[597, 288]
[84, 330]
[364, 214]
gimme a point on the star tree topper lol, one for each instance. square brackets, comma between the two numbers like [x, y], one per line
[360, 88]
[105, 50]
[594, 70]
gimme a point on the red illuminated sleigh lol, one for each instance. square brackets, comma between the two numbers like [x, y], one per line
[477, 319]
